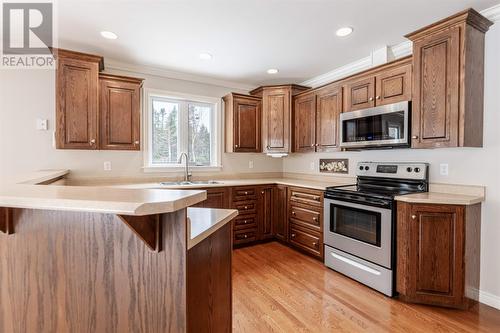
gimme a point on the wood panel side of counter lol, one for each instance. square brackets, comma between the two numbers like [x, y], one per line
[88, 272]
[6, 221]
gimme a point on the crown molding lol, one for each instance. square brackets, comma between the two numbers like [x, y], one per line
[397, 51]
[492, 13]
[164, 73]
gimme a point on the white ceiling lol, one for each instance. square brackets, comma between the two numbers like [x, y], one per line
[246, 37]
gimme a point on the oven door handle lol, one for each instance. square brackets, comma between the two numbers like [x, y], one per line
[355, 264]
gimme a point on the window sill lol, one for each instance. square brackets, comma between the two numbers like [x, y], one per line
[177, 169]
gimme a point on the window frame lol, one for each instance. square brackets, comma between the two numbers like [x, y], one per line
[216, 135]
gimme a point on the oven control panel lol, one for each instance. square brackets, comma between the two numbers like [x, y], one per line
[400, 170]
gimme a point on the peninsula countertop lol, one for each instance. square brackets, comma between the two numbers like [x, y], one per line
[98, 199]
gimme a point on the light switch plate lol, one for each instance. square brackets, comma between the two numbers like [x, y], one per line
[250, 164]
[42, 124]
[311, 166]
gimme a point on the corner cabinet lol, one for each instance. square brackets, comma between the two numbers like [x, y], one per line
[277, 116]
[243, 123]
[77, 100]
[448, 82]
[120, 112]
[438, 250]
[95, 110]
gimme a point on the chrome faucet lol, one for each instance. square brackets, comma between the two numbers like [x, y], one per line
[187, 175]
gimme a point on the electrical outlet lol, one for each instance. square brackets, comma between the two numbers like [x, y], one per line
[311, 166]
[443, 169]
[250, 164]
[42, 124]
[107, 166]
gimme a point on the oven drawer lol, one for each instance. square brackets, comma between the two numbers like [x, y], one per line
[246, 207]
[307, 216]
[374, 276]
[306, 240]
[306, 196]
[245, 236]
[245, 222]
[244, 193]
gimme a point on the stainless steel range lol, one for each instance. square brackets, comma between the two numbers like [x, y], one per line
[360, 221]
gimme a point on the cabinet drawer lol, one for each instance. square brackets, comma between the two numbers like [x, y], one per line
[244, 193]
[245, 222]
[245, 236]
[306, 240]
[246, 207]
[303, 215]
[306, 196]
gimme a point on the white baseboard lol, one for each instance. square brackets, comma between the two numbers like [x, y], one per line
[483, 297]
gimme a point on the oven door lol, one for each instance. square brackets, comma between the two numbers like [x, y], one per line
[360, 230]
[382, 126]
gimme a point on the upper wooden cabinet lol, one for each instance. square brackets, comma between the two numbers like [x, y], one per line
[305, 123]
[316, 119]
[448, 82]
[77, 101]
[386, 84]
[438, 258]
[328, 110]
[243, 123]
[276, 116]
[95, 110]
[120, 112]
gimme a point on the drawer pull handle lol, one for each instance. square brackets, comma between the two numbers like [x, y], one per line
[245, 236]
[245, 222]
[246, 193]
[293, 235]
[246, 207]
[293, 213]
[315, 219]
[315, 244]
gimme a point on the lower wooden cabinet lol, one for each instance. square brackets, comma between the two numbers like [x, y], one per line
[279, 212]
[265, 211]
[438, 253]
[216, 198]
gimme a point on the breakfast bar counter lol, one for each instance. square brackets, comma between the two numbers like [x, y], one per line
[95, 259]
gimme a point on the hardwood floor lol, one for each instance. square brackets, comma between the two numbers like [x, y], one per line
[277, 289]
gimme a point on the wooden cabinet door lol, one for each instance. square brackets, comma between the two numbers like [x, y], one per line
[328, 110]
[435, 245]
[279, 213]
[360, 94]
[216, 198]
[265, 210]
[436, 90]
[120, 113]
[305, 123]
[77, 104]
[247, 123]
[276, 111]
[394, 85]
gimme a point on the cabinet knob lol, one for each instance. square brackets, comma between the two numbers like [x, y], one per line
[246, 207]
[245, 236]
[293, 213]
[262, 192]
[315, 219]
[312, 145]
[370, 99]
[378, 97]
[414, 217]
[246, 193]
[415, 137]
[317, 145]
[245, 222]
[136, 143]
[293, 235]
[92, 142]
[235, 146]
[315, 244]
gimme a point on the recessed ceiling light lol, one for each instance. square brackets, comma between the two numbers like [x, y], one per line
[205, 56]
[272, 71]
[343, 32]
[109, 35]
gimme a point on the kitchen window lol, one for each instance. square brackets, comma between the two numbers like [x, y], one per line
[178, 123]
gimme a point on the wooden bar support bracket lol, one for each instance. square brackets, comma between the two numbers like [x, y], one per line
[6, 223]
[147, 228]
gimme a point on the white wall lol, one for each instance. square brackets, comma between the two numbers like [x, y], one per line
[29, 94]
[474, 166]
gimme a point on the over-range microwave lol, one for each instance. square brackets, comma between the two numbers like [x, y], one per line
[384, 126]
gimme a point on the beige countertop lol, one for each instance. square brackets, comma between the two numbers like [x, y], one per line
[441, 198]
[205, 221]
[98, 199]
[317, 185]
